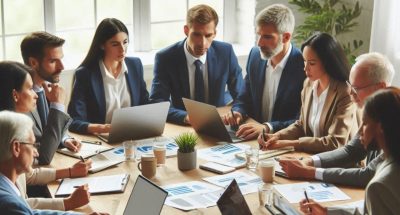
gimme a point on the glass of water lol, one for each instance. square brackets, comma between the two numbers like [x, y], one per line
[252, 158]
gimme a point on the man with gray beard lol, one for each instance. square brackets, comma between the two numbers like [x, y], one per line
[274, 80]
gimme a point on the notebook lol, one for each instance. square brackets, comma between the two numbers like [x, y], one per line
[137, 122]
[107, 159]
[146, 198]
[88, 149]
[205, 119]
[97, 185]
[232, 201]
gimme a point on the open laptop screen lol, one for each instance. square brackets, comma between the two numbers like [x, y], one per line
[146, 198]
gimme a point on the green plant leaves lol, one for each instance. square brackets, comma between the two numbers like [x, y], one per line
[186, 142]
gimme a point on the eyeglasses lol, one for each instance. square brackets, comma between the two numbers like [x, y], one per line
[26, 143]
[355, 90]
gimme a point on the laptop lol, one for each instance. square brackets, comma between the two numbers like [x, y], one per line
[232, 201]
[146, 198]
[206, 120]
[137, 122]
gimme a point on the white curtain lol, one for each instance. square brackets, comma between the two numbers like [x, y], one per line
[385, 33]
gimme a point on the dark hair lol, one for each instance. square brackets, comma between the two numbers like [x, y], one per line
[12, 77]
[107, 28]
[202, 14]
[33, 45]
[331, 54]
[384, 107]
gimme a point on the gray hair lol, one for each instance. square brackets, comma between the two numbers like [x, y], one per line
[13, 126]
[279, 15]
[379, 68]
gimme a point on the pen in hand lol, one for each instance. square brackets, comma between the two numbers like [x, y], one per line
[263, 137]
[235, 126]
[82, 159]
[308, 201]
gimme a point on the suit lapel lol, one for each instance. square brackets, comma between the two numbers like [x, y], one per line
[330, 97]
[36, 119]
[131, 84]
[98, 89]
[182, 67]
[307, 105]
[212, 73]
[259, 79]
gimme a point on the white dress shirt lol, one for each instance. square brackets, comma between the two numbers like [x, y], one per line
[271, 84]
[115, 90]
[316, 109]
[190, 59]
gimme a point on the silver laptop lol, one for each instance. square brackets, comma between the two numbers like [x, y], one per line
[137, 122]
[206, 120]
[146, 198]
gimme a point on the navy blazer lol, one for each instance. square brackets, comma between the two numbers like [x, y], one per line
[171, 78]
[288, 97]
[88, 104]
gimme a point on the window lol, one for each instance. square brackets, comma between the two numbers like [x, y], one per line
[76, 21]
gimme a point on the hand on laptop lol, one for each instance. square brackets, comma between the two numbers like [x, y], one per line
[251, 130]
[186, 120]
[99, 128]
[232, 119]
[78, 198]
[295, 168]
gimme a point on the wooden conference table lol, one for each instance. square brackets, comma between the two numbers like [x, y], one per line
[169, 174]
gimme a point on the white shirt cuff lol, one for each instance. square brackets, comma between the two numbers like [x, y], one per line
[316, 160]
[271, 129]
[319, 174]
[57, 106]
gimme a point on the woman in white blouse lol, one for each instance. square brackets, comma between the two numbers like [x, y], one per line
[328, 116]
[381, 124]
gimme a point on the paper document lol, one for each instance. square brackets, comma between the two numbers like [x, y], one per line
[225, 154]
[107, 159]
[192, 195]
[268, 154]
[97, 185]
[248, 182]
[87, 150]
[320, 192]
[146, 145]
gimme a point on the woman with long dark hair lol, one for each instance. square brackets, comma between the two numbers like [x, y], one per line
[106, 80]
[328, 117]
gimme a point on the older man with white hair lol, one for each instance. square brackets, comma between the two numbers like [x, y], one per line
[371, 72]
[17, 153]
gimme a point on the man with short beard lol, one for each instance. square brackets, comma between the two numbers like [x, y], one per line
[43, 53]
[274, 80]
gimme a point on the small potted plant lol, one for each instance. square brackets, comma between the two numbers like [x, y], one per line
[187, 156]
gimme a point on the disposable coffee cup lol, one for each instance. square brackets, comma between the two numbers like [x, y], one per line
[267, 170]
[159, 151]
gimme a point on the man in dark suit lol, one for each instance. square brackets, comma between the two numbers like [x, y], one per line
[370, 73]
[197, 67]
[43, 53]
[274, 80]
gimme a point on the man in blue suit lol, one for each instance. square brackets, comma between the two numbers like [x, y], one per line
[274, 80]
[197, 67]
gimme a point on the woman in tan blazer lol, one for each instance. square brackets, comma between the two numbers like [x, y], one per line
[328, 116]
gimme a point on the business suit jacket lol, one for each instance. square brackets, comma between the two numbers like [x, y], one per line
[88, 102]
[49, 137]
[10, 203]
[287, 105]
[338, 120]
[171, 78]
[39, 176]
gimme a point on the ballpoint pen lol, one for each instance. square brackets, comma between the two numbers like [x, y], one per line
[235, 126]
[92, 142]
[308, 201]
[82, 159]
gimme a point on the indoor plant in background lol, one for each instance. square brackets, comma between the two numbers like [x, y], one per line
[187, 156]
[332, 17]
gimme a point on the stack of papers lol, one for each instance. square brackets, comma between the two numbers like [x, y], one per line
[268, 153]
[192, 195]
[225, 154]
[107, 159]
[248, 183]
[87, 150]
[319, 192]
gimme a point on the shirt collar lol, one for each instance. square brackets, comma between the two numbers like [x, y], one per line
[284, 60]
[315, 88]
[190, 58]
[104, 70]
[10, 183]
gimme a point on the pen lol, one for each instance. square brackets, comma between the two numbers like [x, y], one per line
[308, 201]
[233, 115]
[82, 159]
[92, 142]
[263, 134]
